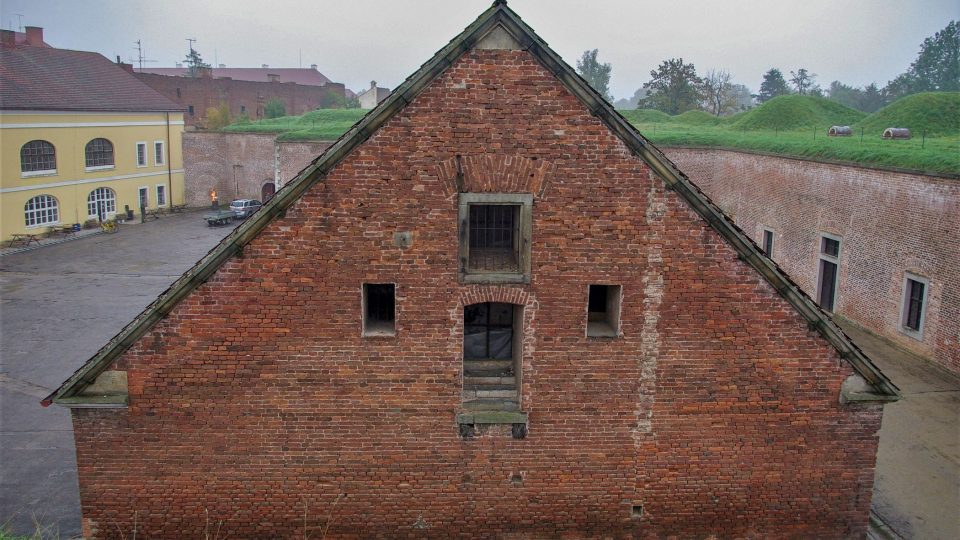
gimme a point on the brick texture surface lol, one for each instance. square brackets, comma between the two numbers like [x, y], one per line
[248, 97]
[890, 223]
[258, 410]
[238, 165]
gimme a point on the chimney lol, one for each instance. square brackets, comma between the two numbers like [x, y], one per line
[313, 67]
[127, 67]
[373, 85]
[221, 65]
[205, 73]
[8, 38]
[273, 77]
[179, 65]
[264, 66]
[34, 36]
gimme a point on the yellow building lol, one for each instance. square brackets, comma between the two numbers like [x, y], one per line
[80, 138]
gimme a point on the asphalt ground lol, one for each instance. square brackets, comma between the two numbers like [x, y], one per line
[60, 303]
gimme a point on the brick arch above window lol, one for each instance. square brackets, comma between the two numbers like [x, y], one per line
[38, 156]
[98, 153]
[496, 173]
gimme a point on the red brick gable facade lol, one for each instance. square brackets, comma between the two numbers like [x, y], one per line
[257, 402]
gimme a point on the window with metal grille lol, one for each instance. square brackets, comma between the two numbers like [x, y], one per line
[99, 153]
[41, 210]
[914, 304]
[379, 309]
[494, 238]
[101, 203]
[830, 246]
[38, 156]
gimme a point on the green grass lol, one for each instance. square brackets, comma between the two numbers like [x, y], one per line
[788, 125]
[938, 113]
[794, 112]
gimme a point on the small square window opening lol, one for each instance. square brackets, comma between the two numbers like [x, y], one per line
[379, 309]
[603, 311]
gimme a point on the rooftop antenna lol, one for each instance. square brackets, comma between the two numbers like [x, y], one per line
[19, 20]
[191, 41]
[141, 57]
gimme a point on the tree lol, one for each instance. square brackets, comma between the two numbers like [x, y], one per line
[595, 73]
[802, 80]
[936, 69]
[844, 94]
[716, 85]
[194, 63]
[218, 117]
[737, 98]
[871, 99]
[674, 87]
[773, 85]
[275, 108]
[631, 103]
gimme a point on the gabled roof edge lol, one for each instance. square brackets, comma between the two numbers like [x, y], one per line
[498, 13]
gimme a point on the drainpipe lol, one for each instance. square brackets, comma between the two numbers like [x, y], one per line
[169, 165]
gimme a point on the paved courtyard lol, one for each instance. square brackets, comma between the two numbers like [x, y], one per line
[59, 304]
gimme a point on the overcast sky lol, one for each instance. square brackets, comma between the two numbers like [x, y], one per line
[355, 41]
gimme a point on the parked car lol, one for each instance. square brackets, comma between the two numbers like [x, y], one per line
[244, 208]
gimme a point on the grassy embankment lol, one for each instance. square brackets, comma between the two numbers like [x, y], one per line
[788, 125]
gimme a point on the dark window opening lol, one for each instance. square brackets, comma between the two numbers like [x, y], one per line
[379, 309]
[494, 238]
[190, 109]
[828, 284]
[37, 156]
[490, 355]
[830, 246]
[178, 92]
[243, 109]
[914, 304]
[603, 310]
[768, 243]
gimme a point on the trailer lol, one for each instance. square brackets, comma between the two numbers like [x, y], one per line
[219, 218]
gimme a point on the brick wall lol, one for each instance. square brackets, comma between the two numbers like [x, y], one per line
[237, 165]
[242, 96]
[890, 223]
[257, 408]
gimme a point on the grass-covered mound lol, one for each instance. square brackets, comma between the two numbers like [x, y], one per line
[698, 118]
[321, 124]
[795, 112]
[937, 112]
[645, 116]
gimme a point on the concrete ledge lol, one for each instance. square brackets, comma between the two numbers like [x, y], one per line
[94, 402]
[492, 417]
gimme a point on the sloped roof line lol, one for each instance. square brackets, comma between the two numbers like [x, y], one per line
[497, 14]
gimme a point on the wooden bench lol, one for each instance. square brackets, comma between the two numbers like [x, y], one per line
[65, 230]
[23, 239]
[177, 208]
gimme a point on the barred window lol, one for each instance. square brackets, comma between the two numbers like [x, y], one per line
[495, 237]
[41, 210]
[101, 203]
[99, 153]
[38, 156]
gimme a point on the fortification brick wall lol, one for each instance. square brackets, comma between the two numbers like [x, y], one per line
[248, 97]
[890, 223]
[238, 165]
[257, 407]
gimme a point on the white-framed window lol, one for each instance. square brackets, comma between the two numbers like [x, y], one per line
[41, 210]
[159, 158]
[829, 271]
[98, 155]
[141, 154]
[101, 203]
[495, 237]
[38, 158]
[766, 241]
[913, 310]
[143, 198]
[161, 195]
